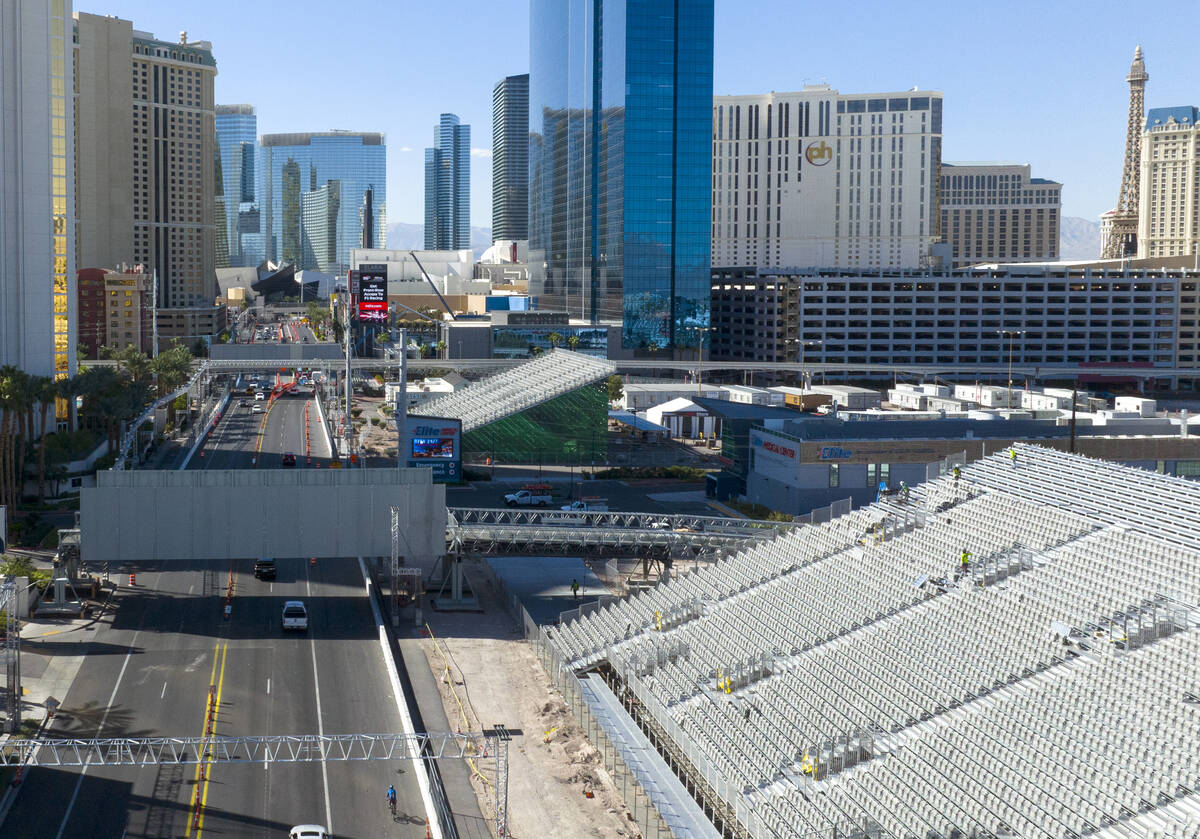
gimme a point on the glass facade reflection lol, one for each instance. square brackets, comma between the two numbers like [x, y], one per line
[237, 141]
[620, 164]
[448, 187]
[295, 165]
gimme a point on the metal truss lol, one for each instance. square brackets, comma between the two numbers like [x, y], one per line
[304, 748]
[492, 539]
[131, 431]
[12, 654]
[682, 524]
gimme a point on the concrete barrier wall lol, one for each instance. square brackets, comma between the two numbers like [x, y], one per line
[213, 514]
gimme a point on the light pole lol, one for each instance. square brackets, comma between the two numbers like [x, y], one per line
[1011, 335]
[804, 344]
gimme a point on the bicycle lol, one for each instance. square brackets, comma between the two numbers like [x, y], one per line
[391, 797]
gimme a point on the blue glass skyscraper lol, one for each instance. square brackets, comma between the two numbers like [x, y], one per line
[620, 164]
[295, 165]
[448, 186]
[237, 143]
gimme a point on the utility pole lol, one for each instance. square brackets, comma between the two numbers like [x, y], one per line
[402, 403]
[154, 314]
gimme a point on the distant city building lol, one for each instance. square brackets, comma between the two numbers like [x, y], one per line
[620, 165]
[825, 179]
[1169, 212]
[114, 310]
[237, 139]
[294, 165]
[510, 158]
[448, 186]
[995, 212]
[174, 154]
[1119, 226]
[1086, 315]
[37, 189]
[319, 213]
[103, 105]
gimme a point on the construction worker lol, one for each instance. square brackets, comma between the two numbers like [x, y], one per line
[575, 589]
[957, 472]
[1012, 455]
[964, 560]
[903, 493]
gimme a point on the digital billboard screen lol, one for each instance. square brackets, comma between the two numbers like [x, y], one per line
[433, 447]
[372, 293]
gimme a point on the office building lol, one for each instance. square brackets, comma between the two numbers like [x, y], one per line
[996, 212]
[620, 98]
[1169, 213]
[319, 211]
[448, 186]
[510, 159]
[824, 179]
[296, 164]
[237, 140]
[37, 188]
[1048, 313]
[114, 310]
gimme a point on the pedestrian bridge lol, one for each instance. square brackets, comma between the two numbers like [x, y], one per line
[491, 532]
[239, 513]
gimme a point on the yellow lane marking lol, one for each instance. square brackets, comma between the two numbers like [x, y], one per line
[197, 789]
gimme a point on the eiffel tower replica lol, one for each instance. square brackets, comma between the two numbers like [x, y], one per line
[1118, 227]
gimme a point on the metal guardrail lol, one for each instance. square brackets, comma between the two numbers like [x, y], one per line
[491, 539]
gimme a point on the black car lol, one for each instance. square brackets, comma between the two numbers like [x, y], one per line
[289, 461]
[264, 569]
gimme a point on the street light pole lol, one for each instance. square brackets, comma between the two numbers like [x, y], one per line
[1011, 335]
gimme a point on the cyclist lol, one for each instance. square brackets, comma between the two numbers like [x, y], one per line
[391, 797]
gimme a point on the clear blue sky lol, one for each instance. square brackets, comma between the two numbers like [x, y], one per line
[1036, 82]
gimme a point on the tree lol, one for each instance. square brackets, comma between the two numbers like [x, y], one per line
[555, 339]
[616, 388]
[133, 361]
[536, 352]
[573, 343]
[47, 391]
[316, 312]
[441, 348]
[174, 368]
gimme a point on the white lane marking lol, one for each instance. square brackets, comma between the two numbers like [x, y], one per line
[312, 648]
[103, 719]
[164, 691]
[268, 686]
[191, 588]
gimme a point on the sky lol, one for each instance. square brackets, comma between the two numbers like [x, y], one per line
[1033, 82]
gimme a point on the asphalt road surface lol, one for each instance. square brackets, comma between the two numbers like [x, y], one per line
[148, 674]
[243, 439]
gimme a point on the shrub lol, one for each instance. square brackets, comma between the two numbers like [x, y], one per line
[682, 473]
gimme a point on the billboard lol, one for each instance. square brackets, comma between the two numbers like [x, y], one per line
[435, 442]
[372, 293]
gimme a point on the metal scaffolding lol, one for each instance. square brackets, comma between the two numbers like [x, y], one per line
[12, 654]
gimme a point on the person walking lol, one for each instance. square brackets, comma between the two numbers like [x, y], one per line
[964, 561]
[1012, 455]
[575, 589]
[957, 472]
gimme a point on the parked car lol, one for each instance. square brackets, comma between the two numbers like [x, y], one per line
[264, 569]
[308, 831]
[289, 461]
[533, 496]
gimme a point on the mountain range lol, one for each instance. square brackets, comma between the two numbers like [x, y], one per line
[404, 236]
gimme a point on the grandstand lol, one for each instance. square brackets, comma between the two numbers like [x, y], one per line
[518, 388]
[849, 679]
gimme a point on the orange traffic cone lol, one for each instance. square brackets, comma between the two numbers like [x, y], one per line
[132, 579]
[428, 835]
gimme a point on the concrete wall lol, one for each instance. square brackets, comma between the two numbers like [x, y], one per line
[270, 513]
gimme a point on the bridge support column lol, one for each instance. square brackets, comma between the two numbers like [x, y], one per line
[453, 589]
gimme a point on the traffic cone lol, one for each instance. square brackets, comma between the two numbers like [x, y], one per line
[428, 835]
[132, 579]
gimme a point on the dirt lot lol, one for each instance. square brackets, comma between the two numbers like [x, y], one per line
[488, 675]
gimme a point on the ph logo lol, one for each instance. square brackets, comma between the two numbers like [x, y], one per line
[818, 154]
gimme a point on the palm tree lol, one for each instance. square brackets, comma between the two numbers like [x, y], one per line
[174, 368]
[555, 339]
[22, 407]
[46, 391]
[8, 376]
[573, 343]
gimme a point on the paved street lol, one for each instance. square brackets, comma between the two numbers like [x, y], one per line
[242, 436]
[148, 671]
[649, 496]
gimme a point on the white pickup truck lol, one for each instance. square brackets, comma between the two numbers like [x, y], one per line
[295, 616]
[587, 505]
[528, 498]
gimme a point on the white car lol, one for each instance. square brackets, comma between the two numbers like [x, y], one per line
[259, 396]
[308, 831]
[295, 616]
[257, 409]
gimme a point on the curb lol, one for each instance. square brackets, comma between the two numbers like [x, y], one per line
[10, 794]
[729, 511]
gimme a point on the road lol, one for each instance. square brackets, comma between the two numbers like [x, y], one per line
[148, 674]
[246, 440]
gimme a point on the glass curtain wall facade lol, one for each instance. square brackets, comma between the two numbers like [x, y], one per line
[237, 139]
[448, 187]
[620, 164]
[297, 164]
[510, 159]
